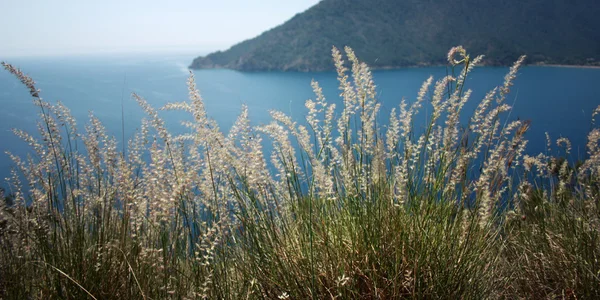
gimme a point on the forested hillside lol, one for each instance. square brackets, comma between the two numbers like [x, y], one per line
[401, 33]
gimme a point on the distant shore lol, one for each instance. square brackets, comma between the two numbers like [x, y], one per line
[567, 66]
[391, 68]
[491, 65]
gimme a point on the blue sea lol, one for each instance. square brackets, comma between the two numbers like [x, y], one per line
[557, 100]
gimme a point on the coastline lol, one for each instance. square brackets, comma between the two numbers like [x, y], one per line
[391, 68]
[567, 66]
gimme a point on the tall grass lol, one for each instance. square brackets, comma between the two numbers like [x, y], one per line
[343, 207]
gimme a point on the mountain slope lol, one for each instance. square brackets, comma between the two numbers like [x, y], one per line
[400, 33]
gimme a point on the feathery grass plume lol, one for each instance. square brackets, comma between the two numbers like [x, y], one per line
[393, 134]
[25, 80]
[509, 78]
[565, 143]
[596, 112]
[591, 166]
[454, 51]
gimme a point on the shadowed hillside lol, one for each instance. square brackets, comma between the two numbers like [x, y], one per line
[401, 33]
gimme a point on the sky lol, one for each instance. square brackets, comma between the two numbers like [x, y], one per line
[70, 27]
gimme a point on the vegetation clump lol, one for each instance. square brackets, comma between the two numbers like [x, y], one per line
[339, 207]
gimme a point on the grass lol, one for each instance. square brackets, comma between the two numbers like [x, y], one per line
[341, 208]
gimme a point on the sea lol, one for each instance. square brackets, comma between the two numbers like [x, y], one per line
[557, 100]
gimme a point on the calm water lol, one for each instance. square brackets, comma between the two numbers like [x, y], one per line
[557, 100]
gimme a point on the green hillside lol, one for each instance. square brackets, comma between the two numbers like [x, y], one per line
[401, 33]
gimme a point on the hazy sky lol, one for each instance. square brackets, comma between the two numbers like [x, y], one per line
[61, 27]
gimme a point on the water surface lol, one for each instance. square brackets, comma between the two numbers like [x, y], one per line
[559, 101]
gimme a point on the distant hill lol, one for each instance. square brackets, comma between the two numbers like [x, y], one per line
[401, 33]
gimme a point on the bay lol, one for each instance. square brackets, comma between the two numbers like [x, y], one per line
[557, 100]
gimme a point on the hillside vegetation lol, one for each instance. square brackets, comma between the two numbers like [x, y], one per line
[401, 33]
[339, 207]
